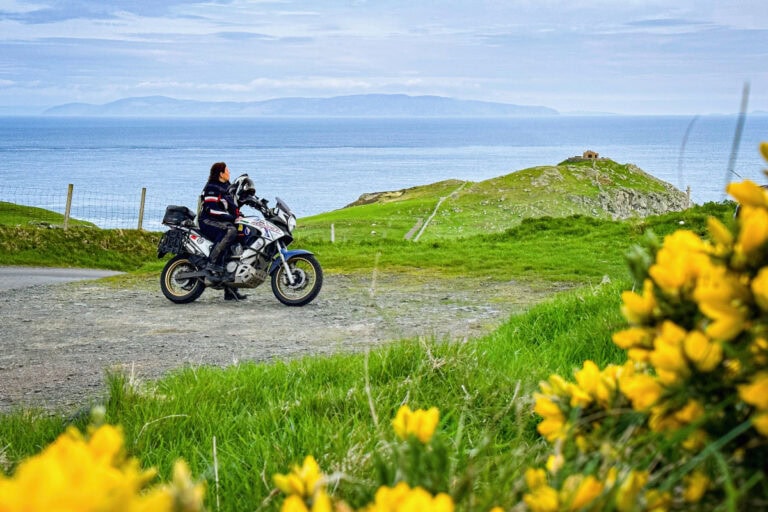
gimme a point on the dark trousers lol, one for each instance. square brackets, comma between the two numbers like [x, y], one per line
[226, 232]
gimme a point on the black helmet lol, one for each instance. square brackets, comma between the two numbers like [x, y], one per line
[242, 188]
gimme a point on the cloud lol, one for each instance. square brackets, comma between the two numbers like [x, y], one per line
[555, 52]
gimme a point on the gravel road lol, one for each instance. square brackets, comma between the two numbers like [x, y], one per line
[58, 340]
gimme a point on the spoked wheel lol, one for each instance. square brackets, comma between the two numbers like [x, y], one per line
[180, 291]
[307, 281]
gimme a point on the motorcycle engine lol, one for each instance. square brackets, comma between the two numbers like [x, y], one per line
[247, 274]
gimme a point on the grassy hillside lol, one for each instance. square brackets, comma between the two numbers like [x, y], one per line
[467, 208]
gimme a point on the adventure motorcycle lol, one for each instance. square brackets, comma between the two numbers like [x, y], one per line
[259, 251]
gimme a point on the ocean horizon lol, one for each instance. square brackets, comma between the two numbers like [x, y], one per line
[322, 164]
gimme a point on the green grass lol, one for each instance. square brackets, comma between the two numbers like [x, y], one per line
[267, 417]
[16, 215]
[113, 249]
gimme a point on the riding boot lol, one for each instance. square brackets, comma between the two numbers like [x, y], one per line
[233, 294]
[214, 269]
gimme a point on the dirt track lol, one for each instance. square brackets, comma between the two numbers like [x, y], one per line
[58, 340]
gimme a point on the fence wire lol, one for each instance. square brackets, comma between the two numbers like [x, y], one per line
[104, 209]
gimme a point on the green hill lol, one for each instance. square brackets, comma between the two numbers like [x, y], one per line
[597, 188]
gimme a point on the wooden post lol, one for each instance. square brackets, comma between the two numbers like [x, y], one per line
[68, 208]
[141, 206]
[333, 233]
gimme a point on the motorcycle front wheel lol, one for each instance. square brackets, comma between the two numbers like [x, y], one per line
[307, 281]
[180, 291]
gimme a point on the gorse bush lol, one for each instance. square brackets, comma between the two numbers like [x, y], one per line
[683, 424]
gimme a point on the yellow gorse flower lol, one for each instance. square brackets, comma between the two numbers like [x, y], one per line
[704, 353]
[679, 262]
[75, 473]
[639, 308]
[403, 498]
[579, 491]
[748, 193]
[756, 392]
[754, 230]
[302, 481]
[419, 423]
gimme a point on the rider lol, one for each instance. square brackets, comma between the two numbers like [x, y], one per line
[217, 222]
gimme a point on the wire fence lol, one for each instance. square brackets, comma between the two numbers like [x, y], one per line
[129, 209]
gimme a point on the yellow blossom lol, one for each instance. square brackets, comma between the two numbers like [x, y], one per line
[535, 477]
[542, 499]
[555, 462]
[754, 229]
[632, 337]
[579, 491]
[402, 498]
[764, 149]
[642, 390]
[667, 356]
[629, 490]
[722, 296]
[553, 425]
[679, 262]
[759, 350]
[759, 287]
[420, 423]
[692, 411]
[704, 353]
[720, 234]
[294, 503]
[748, 193]
[588, 378]
[78, 474]
[302, 481]
[638, 309]
[756, 392]
[600, 385]
[760, 422]
[695, 486]
[657, 501]
[579, 397]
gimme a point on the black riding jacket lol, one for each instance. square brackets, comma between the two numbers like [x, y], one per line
[218, 203]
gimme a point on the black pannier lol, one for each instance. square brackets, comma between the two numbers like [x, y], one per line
[176, 215]
[172, 242]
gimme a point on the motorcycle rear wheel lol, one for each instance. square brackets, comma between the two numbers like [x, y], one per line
[308, 279]
[180, 291]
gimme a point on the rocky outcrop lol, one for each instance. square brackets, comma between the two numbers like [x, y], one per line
[623, 203]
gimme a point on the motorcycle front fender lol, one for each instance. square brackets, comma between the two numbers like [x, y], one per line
[287, 255]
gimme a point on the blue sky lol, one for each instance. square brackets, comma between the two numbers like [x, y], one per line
[623, 56]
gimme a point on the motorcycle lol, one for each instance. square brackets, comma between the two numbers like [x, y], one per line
[260, 251]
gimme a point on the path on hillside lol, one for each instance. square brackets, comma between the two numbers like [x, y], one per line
[58, 340]
[432, 216]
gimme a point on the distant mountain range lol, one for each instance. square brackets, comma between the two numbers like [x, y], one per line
[363, 105]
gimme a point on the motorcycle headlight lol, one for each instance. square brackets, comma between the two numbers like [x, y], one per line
[291, 223]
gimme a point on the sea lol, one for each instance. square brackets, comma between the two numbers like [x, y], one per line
[322, 164]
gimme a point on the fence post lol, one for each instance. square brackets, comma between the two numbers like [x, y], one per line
[68, 208]
[333, 233]
[141, 206]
